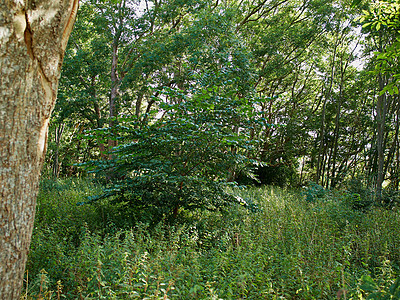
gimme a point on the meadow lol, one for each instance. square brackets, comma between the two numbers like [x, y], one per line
[292, 245]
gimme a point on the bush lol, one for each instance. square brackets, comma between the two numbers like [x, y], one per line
[313, 192]
[183, 160]
[359, 197]
[281, 176]
[390, 198]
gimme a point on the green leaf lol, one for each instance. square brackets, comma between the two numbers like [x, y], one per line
[368, 284]
[395, 287]
[365, 12]
[376, 296]
[356, 3]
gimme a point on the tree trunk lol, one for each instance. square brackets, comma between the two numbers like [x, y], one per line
[380, 121]
[113, 96]
[33, 38]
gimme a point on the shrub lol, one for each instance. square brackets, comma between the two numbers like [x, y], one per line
[359, 197]
[183, 160]
[313, 192]
[390, 198]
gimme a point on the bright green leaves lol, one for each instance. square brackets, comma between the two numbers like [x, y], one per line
[383, 22]
[375, 292]
[197, 65]
[183, 158]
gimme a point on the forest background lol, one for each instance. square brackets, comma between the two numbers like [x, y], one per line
[170, 112]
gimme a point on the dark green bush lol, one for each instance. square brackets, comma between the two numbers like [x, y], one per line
[182, 161]
[359, 197]
[313, 192]
[390, 198]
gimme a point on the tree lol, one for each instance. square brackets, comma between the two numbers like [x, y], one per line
[383, 24]
[33, 38]
[120, 58]
[161, 46]
[184, 159]
[117, 55]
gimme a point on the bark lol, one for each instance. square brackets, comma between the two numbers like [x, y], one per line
[394, 144]
[380, 120]
[33, 38]
[115, 82]
[322, 142]
[99, 123]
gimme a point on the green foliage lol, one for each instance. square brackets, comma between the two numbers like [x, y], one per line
[289, 249]
[383, 21]
[359, 197]
[59, 223]
[390, 198]
[281, 175]
[371, 288]
[187, 121]
[356, 196]
[314, 192]
[384, 285]
[300, 58]
[183, 159]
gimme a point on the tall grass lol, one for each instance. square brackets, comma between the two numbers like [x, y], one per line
[287, 249]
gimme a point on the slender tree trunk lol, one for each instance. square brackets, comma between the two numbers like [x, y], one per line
[99, 123]
[99, 119]
[33, 38]
[113, 95]
[372, 159]
[394, 145]
[333, 179]
[380, 122]
[322, 142]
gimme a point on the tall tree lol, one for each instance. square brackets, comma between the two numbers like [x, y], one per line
[33, 38]
[382, 21]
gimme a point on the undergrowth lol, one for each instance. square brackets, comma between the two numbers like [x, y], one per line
[289, 248]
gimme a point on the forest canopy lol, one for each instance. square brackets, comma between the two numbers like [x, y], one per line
[306, 90]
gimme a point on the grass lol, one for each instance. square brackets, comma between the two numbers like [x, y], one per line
[288, 249]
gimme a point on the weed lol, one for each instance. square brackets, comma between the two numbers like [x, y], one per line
[287, 249]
